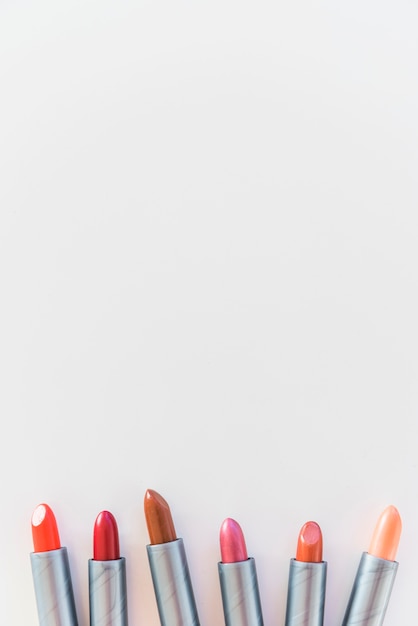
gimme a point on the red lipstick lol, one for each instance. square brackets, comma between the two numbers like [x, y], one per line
[307, 580]
[107, 575]
[168, 564]
[51, 571]
[238, 578]
[105, 538]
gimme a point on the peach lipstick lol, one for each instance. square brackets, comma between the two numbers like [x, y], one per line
[376, 573]
[107, 575]
[51, 572]
[238, 578]
[168, 564]
[307, 580]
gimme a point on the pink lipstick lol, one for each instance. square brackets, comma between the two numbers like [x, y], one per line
[238, 578]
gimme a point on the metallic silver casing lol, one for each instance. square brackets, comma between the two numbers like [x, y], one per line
[172, 584]
[240, 594]
[306, 593]
[53, 588]
[107, 589]
[371, 591]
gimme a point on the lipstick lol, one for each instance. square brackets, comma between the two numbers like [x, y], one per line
[376, 573]
[307, 580]
[107, 575]
[51, 572]
[238, 578]
[168, 564]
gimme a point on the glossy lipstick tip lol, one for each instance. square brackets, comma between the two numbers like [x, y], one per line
[105, 538]
[158, 518]
[386, 536]
[232, 541]
[309, 548]
[44, 529]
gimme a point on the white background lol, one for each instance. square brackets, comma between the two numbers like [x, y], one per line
[208, 257]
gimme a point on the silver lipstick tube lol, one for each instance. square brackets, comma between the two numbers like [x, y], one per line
[53, 588]
[306, 593]
[371, 591]
[107, 589]
[240, 595]
[172, 584]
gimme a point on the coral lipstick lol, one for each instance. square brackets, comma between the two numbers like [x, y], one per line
[376, 573]
[238, 578]
[107, 575]
[307, 580]
[168, 564]
[309, 548]
[45, 533]
[51, 572]
[387, 533]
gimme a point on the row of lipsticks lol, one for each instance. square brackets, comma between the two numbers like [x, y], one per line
[237, 573]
